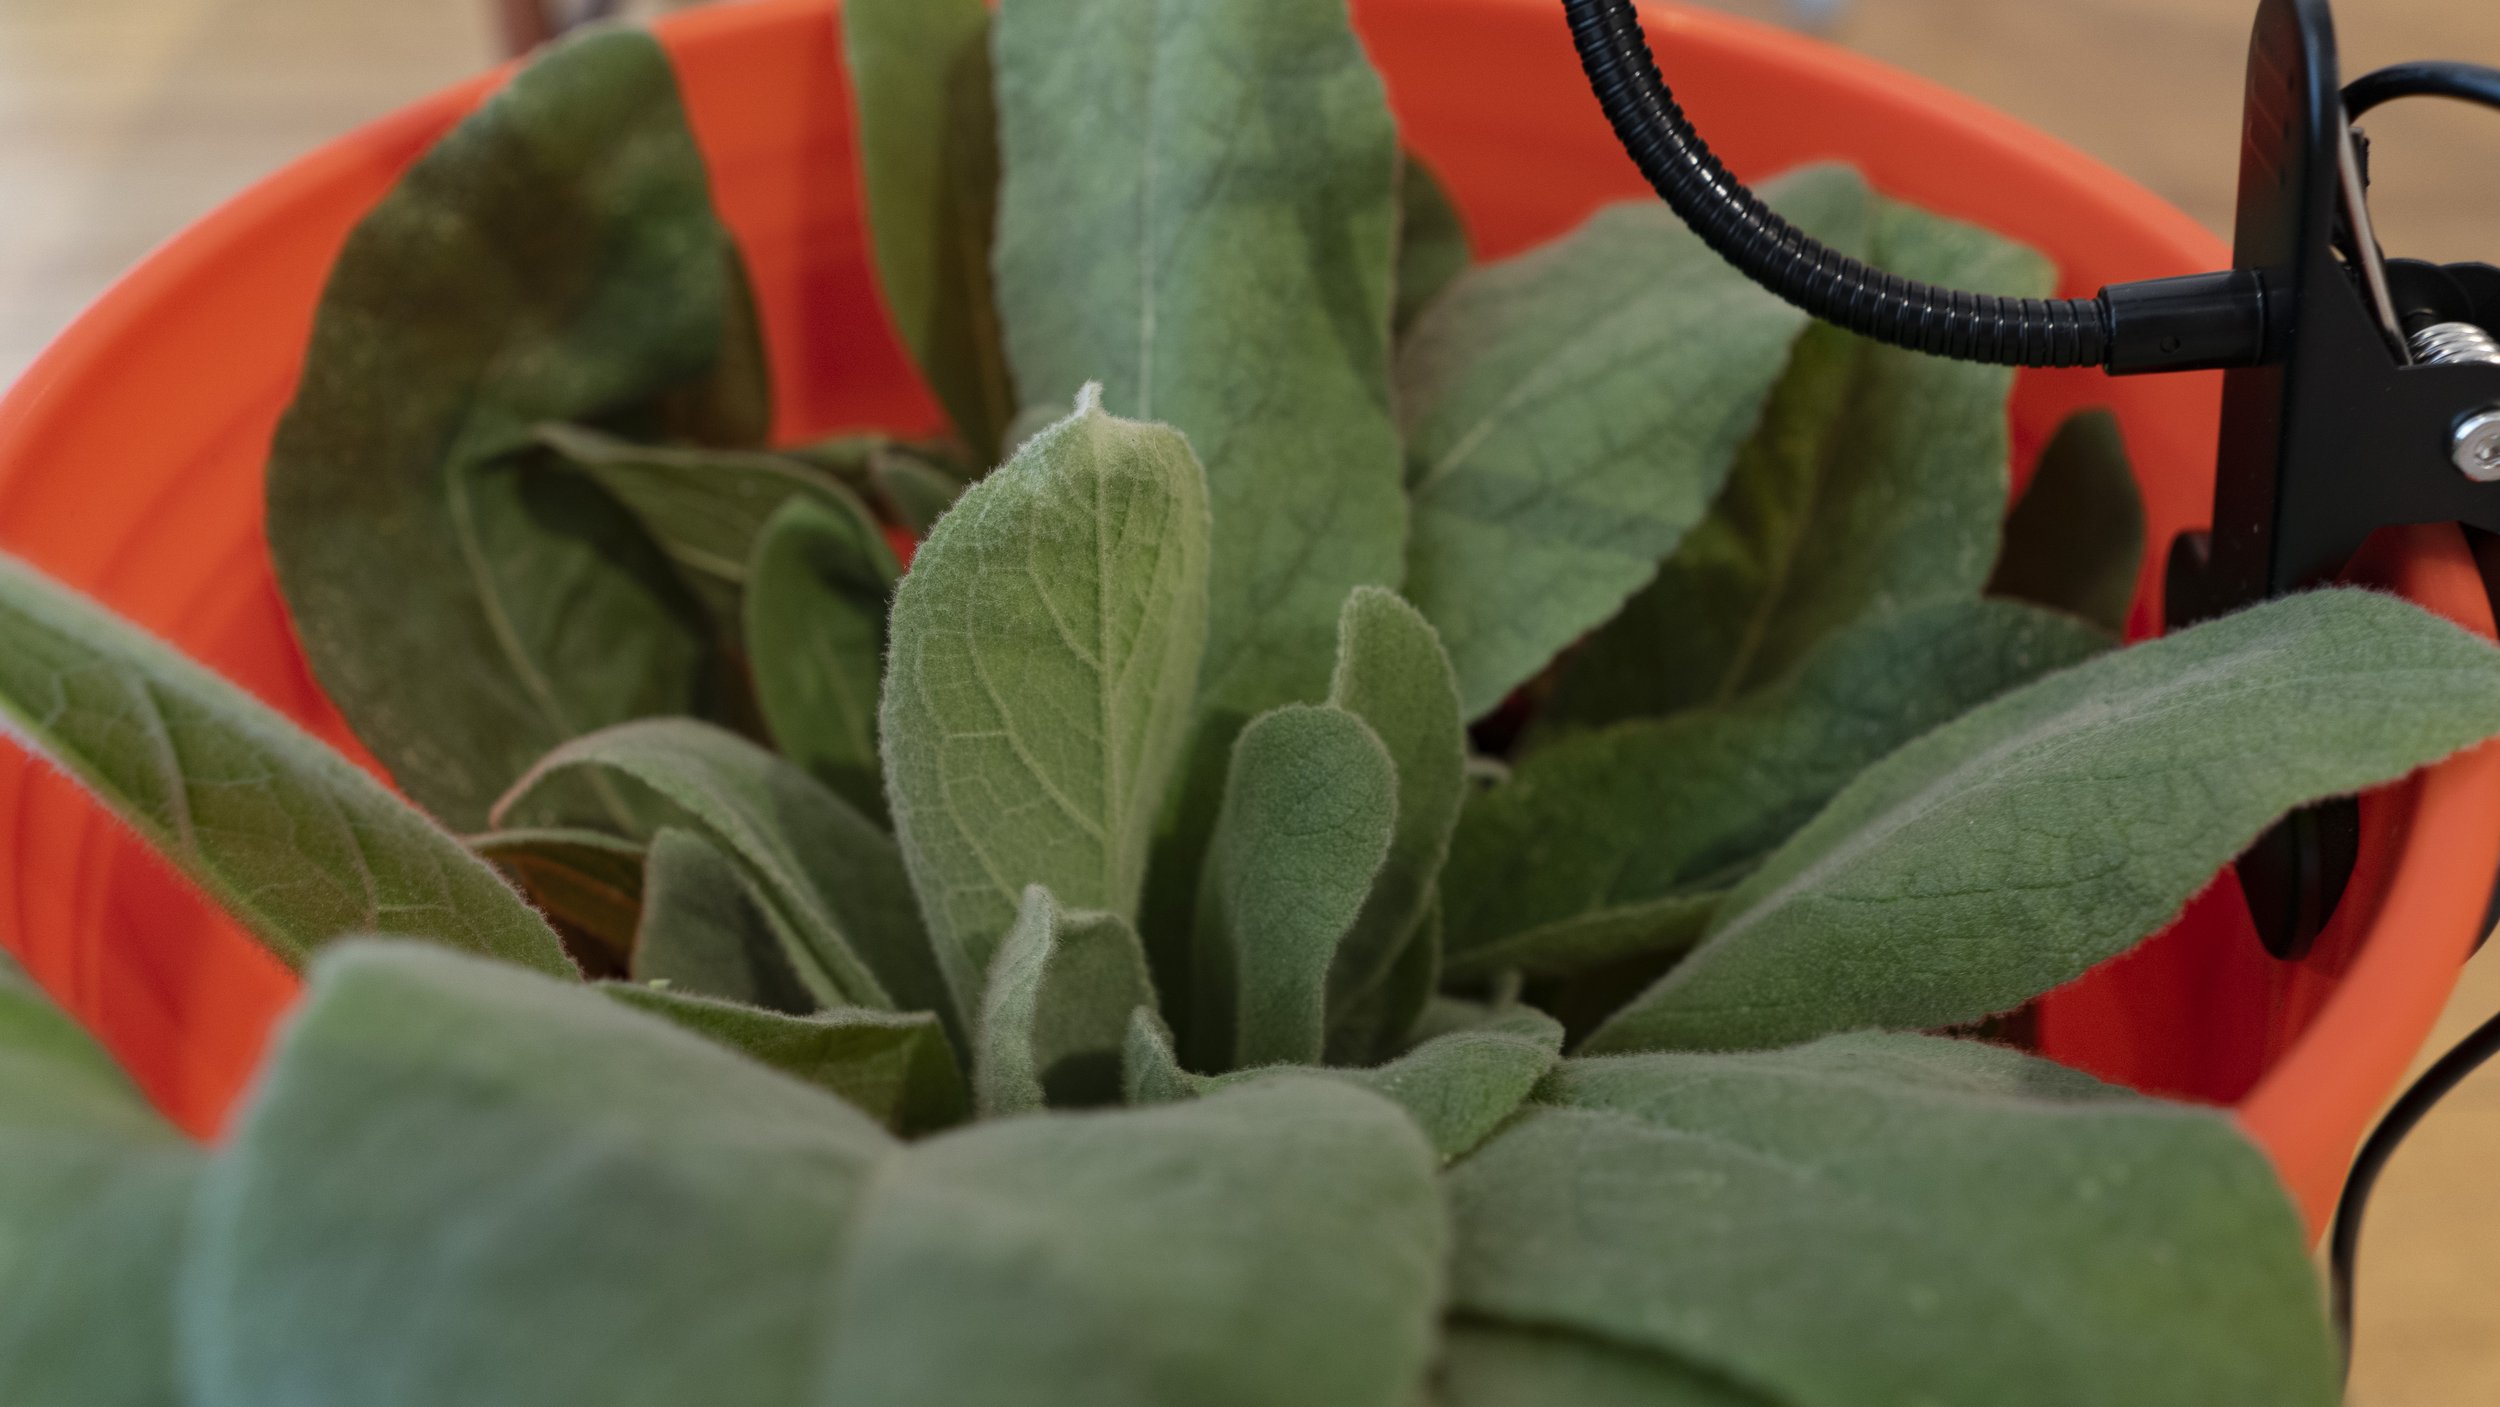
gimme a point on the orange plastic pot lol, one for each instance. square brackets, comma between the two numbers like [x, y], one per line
[131, 452]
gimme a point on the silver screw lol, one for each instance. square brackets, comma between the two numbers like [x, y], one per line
[2476, 448]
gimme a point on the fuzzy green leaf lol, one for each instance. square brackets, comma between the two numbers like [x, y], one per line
[1563, 865]
[816, 600]
[1055, 1017]
[555, 258]
[895, 1067]
[588, 881]
[1199, 213]
[1392, 674]
[94, 1191]
[1273, 1244]
[1883, 1219]
[564, 1204]
[1877, 481]
[1150, 1071]
[1460, 1087]
[2075, 539]
[928, 160]
[706, 931]
[1488, 1365]
[1038, 686]
[289, 837]
[832, 883]
[1310, 809]
[1570, 413]
[2010, 850]
[1432, 240]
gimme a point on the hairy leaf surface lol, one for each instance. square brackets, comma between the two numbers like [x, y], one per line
[1056, 1013]
[893, 1066]
[2075, 539]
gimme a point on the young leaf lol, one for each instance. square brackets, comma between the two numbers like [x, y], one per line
[588, 881]
[286, 835]
[1562, 864]
[706, 931]
[2010, 850]
[816, 604]
[894, 1066]
[555, 258]
[1278, 1243]
[1432, 240]
[1171, 166]
[928, 160]
[1877, 1219]
[1877, 481]
[1570, 413]
[1055, 1017]
[1150, 1073]
[1488, 1365]
[550, 1215]
[1392, 674]
[2075, 539]
[94, 1189]
[1039, 678]
[832, 882]
[704, 507]
[1310, 808]
[1460, 1087]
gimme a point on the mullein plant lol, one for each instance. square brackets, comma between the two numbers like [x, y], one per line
[1410, 843]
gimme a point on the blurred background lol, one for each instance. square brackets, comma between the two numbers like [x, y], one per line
[122, 120]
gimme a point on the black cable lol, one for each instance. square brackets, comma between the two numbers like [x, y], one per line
[2204, 320]
[2344, 1247]
[2467, 83]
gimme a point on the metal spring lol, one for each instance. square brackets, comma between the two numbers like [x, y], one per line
[2455, 343]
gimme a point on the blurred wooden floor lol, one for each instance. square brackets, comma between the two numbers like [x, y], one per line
[120, 120]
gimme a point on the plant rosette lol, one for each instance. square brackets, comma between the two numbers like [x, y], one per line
[1433, 831]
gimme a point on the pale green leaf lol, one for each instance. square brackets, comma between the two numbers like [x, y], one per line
[1281, 1243]
[1461, 1086]
[1150, 1071]
[1309, 812]
[895, 1067]
[1880, 1219]
[1038, 686]
[1055, 1016]
[816, 600]
[1488, 1365]
[1571, 854]
[1570, 414]
[831, 882]
[706, 931]
[458, 1183]
[2009, 851]
[555, 257]
[1876, 481]
[1432, 239]
[289, 837]
[1392, 674]
[928, 161]
[94, 1190]
[589, 883]
[1199, 213]
[2075, 539]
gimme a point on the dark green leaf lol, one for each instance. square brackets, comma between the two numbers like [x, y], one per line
[1055, 1016]
[567, 1204]
[1487, 1365]
[588, 881]
[1378, 1021]
[1432, 239]
[1038, 688]
[1275, 1244]
[894, 1066]
[1881, 1219]
[1310, 807]
[1571, 412]
[1876, 482]
[288, 836]
[2075, 539]
[816, 604]
[555, 258]
[706, 931]
[928, 159]
[94, 1189]
[1564, 864]
[1199, 213]
[918, 492]
[2010, 850]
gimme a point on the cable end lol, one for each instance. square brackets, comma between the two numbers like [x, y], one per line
[2198, 322]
